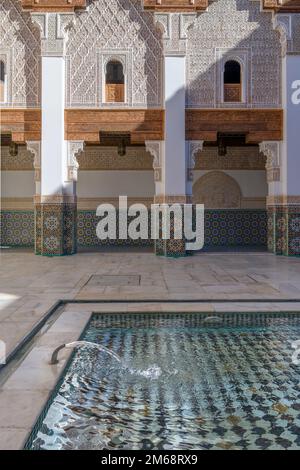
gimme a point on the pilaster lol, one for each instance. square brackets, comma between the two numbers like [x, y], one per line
[174, 167]
[55, 200]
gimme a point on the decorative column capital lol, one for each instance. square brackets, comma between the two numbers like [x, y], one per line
[75, 147]
[54, 29]
[34, 146]
[155, 148]
[271, 149]
[174, 28]
[192, 148]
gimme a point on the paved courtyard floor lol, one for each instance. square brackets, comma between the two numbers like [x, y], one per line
[30, 285]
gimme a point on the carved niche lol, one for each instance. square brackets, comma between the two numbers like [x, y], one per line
[217, 190]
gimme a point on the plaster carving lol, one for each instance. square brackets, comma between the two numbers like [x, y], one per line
[106, 158]
[74, 148]
[272, 151]
[20, 44]
[193, 148]
[233, 25]
[155, 148]
[34, 148]
[217, 190]
[54, 29]
[283, 24]
[125, 58]
[112, 26]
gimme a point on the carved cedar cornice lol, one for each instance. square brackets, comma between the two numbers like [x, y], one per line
[53, 5]
[175, 5]
[283, 6]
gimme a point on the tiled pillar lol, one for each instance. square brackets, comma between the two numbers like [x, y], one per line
[172, 189]
[169, 155]
[273, 152]
[55, 202]
[283, 168]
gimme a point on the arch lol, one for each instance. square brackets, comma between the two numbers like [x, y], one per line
[232, 81]
[217, 190]
[114, 82]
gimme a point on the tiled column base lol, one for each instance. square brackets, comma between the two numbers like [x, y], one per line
[174, 248]
[55, 229]
[171, 247]
[284, 230]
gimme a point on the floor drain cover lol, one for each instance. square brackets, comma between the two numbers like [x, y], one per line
[114, 280]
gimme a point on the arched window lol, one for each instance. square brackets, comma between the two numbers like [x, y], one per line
[114, 82]
[232, 82]
[2, 81]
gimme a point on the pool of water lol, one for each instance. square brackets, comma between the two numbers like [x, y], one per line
[186, 381]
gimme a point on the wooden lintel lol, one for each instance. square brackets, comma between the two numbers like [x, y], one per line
[22, 124]
[257, 124]
[87, 124]
[53, 5]
[283, 6]
[175, 5]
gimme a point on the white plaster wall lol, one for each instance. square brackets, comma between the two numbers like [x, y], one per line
[115, 183]
[131, 183]
[17, 184]
[174, 173]
[252, 183]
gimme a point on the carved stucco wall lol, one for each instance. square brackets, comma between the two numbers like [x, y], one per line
[120, 27]
[217, 190]
[233, 29]
[114, 28]
[20, 50]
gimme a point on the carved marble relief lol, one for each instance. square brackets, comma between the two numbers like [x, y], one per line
[107, 28]
[20, 43]
[234, 26]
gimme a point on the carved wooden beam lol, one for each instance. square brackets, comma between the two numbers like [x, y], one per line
[53, 5]
[257, 124]
[22, 124]
[176, 5]
[283, 6]
[87, 124]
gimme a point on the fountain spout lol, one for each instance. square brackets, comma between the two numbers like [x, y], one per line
[54, 357]
[80, 344]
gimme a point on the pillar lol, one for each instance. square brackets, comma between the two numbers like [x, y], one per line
[285, 204]
[55, 202]
[172, 189]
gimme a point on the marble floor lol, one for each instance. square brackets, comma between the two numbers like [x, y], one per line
[30, 285]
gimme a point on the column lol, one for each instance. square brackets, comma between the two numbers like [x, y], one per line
[55, 204]
[287, 204]
[273, 150]
[173, 164]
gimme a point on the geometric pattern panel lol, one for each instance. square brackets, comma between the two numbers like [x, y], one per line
[86, 232]
[16, 228]
[223, 228]
[243, 227]
[20, 41]
[113, 27]
[237, 28]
